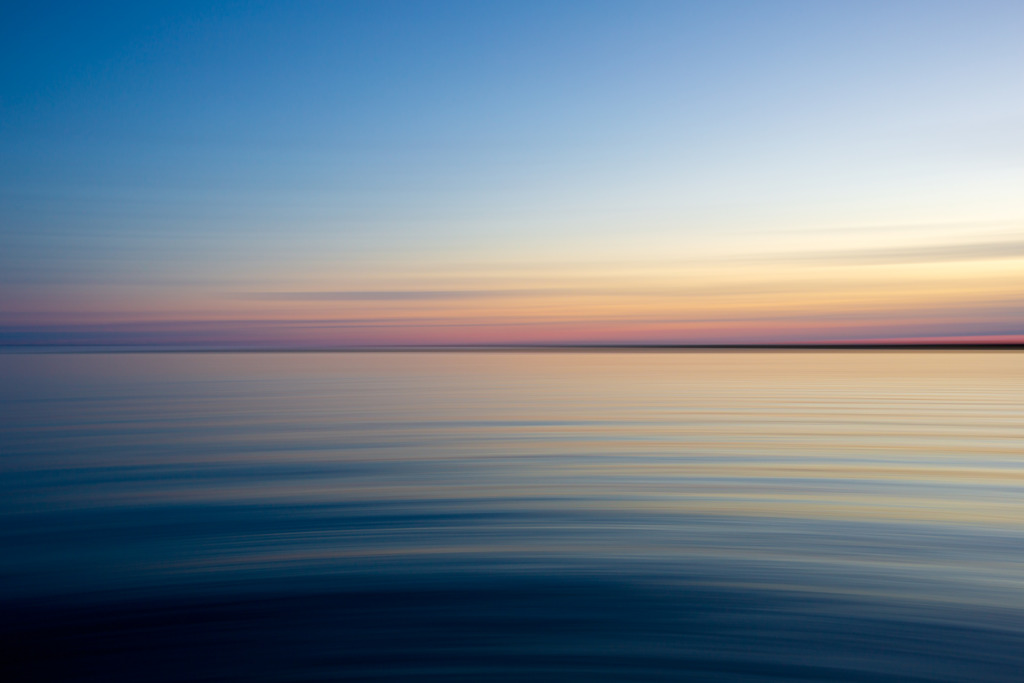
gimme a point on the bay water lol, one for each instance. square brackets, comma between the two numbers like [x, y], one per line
[542, 516]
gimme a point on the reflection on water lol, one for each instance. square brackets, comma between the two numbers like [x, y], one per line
[735, 516]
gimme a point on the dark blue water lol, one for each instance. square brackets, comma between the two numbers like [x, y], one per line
[828, 516]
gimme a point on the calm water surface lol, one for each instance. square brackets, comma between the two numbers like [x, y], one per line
[735, 516]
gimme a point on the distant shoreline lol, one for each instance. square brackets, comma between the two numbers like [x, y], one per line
[506, 348]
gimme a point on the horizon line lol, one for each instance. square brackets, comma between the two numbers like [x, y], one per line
[414, 348]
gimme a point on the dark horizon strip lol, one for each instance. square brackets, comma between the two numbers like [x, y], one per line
[454, 348]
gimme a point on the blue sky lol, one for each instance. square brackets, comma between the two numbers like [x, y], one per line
[184, 162]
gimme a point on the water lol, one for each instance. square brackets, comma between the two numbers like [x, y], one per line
[734, 516]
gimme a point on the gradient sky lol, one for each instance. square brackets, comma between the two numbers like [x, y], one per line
[350, 173]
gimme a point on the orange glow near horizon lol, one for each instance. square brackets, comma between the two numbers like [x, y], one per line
[855, 290]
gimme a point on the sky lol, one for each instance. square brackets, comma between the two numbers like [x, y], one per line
[388, 173]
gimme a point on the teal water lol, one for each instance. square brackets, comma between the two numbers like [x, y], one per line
[726, 516]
